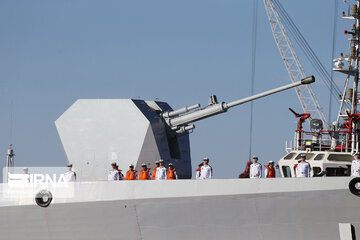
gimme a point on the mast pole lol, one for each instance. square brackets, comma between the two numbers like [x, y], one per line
[354, 147]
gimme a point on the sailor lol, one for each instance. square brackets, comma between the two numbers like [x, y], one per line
[121, 176]
[206, 171]
[198, 171]
[160, 171]
[70, 175]
[246, 173]
[26, 176]
[157, 164]
[144, 172]
[270, 170]
[255, 168]
[113, 174]
[303, 168]
[171, 173]
[355, 166]
[131, 174]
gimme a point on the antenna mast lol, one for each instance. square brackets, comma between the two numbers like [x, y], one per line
[352, 71]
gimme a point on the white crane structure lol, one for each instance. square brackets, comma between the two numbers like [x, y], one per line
[296, 72]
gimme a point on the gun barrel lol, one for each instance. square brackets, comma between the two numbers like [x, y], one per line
[222, 107]
[306, 80]
[198, 115]
[180, 111]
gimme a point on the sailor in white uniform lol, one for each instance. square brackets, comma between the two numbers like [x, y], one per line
[255, 168]
[303, 168]
[114, 173]
[70, 175]
[355, 166]
[161, 171]
[26, 175]
[206, 170]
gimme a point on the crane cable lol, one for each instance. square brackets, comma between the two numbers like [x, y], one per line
[332, 56]
[305, 47]
[253, 66]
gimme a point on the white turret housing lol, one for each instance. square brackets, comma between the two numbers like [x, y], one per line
[97, 132]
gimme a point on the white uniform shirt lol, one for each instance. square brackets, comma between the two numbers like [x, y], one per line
[255, 170]
[198, 174]
[355, 168]
[113, 175]
[70, 176]
[160, 173]
[303, 169]
[266, 172]
[206, 172]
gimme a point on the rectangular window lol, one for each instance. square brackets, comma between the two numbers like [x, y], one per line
[289, 156]
[308, 156]
[319, 156]
[337, 171]
[286, 171]
[340, 157]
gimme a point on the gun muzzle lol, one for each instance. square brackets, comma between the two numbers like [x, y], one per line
[308, 80]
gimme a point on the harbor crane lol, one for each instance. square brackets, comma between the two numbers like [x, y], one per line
[307, 98]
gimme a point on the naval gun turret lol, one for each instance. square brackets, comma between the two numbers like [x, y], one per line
[97, 132]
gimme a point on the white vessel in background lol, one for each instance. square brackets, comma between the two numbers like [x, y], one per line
[330, 151]
[95, 133]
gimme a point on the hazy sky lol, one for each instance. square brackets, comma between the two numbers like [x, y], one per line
[55, 52]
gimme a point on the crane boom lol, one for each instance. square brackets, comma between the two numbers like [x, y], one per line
[305, 93]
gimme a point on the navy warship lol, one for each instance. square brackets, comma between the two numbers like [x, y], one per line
[97, 132]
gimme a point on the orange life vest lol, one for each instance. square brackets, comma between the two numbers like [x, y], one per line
[154, 173]
[271, 172]
[131, 175]
[144, 174]
[198, 169]
[171, 174]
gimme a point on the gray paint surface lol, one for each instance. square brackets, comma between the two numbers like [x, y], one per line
[189, 209]
[302, 215]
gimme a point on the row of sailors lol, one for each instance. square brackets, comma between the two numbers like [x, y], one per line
[302, 169]
[254, 169]
[159, 173]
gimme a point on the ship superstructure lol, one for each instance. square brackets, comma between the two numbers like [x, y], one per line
[330, 150]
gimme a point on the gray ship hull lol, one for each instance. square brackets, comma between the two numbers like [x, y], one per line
[257, 209]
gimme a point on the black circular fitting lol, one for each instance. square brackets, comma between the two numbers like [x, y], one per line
[352, 186]
[43, 198]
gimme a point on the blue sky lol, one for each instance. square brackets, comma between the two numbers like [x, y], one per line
[55, 52]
